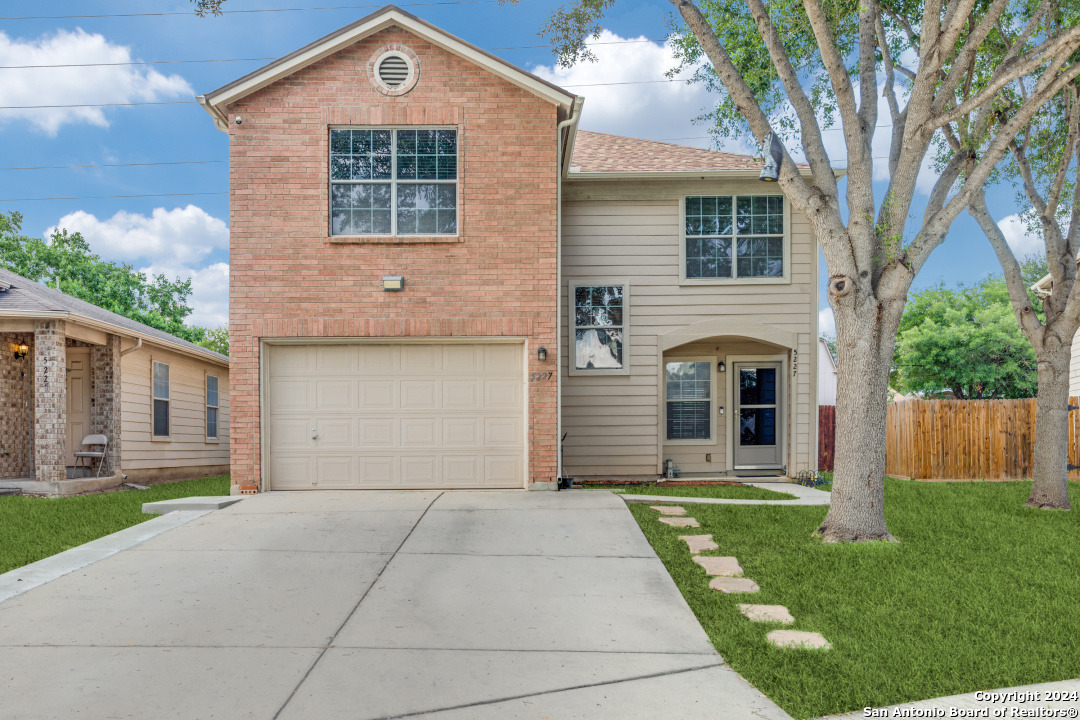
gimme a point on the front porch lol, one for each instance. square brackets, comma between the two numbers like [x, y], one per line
[60, 382]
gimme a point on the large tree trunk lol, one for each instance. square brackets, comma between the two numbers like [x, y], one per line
[866, 336]
[1050, 489]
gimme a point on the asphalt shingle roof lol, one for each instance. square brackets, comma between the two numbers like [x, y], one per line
[29, 296]
[600, 152]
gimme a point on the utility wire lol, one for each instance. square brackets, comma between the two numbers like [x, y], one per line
[264, 59]
[105, 165]
[109, 197]
[240, 12]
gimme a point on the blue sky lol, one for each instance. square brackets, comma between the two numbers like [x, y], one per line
[187, 235]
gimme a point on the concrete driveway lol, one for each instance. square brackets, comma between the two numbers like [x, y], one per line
[448, 606]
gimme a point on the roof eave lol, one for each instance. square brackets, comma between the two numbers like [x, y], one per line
[751, 174]
[208, 355]
[221, 98]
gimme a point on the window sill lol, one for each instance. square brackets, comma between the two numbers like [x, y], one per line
[622, 372]
[161, 438]
[691, 282]
[212, 441]
[709, 442]
[393, 239]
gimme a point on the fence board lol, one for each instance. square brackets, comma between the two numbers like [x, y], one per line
[957, 439]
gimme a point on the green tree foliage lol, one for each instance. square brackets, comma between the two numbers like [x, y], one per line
[202, 7]
[65, 261]
[217, 339]
[966, 341]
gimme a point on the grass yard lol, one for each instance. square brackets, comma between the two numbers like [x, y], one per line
[727, 492]
[35, 528]
[979, 593]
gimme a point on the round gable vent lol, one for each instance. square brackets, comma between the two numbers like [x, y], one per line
[393, 70]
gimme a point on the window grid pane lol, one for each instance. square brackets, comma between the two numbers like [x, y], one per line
[744, 248]
[212, 422]
[403, 204]
[688, 420]
[161, 418]
[161, 380]
[211, 391]
[598, 327]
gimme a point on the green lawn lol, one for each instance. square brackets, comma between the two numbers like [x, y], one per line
[728, 492]
[979, 593]
[35, 528]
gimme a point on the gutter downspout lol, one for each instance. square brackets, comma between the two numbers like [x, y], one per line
[562, 164]
[136, 346]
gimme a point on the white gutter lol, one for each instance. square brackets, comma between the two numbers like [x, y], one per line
[132, 349]
[110, 329]
[562, 166]
[577, 174]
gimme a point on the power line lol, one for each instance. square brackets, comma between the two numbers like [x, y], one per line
[105, 165]
[239, 12]
[110, 197]
[79, 105]
[264, 59]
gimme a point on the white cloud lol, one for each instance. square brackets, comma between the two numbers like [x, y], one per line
[74, 85]
[181, 236]
[654, 111]
[209, 291]
[826, 322]
[1022, 242]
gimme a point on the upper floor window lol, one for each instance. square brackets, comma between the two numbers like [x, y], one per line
[599, 322]
[732, 237]
[393, 182]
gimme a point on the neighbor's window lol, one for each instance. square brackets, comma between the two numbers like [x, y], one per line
[161, 400]
[393, 182]
[734, 236]
[211, 407]
[689, 399]
[599, 327]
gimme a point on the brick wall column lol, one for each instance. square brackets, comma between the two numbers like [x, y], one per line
[105, 399]
[50, 400]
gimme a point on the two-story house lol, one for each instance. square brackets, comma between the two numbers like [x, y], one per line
[435, 276]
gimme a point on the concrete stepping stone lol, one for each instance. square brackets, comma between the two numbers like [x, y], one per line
[680, 521]
[733, 585]
[767, 613]
[699, 543]
[719, 566]
[798, 639]
[668, 509]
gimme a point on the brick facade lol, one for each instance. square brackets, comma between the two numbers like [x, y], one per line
[50, 400]
[289, 278]
[105, 399]
[16, 407]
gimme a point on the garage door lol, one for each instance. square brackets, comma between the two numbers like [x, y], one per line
[408, 415]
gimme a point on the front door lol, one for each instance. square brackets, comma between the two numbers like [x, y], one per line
[78, 400]
[758, 416]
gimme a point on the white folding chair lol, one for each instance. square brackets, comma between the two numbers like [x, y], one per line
[93, 441]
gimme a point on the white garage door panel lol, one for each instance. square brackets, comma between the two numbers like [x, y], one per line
[389, 416]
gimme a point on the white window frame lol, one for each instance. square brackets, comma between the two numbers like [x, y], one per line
[393, 181]
[154, 399]
[572, 326]
[208, 407]
[713, 413]
[784, 279]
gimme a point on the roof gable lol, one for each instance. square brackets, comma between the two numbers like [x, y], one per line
[216, 102]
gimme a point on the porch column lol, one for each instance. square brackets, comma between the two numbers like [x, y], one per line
[105, 399]
[50, 400]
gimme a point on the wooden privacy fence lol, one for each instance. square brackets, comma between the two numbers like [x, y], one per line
[957, 439]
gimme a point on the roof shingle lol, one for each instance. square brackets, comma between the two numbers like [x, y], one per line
[600, 152]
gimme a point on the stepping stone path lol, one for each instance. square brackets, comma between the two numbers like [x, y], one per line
[668, 509]
[767, 613]
[798, 639]
[680, 521]
[699, 543]
[719, 566]
[733, 585]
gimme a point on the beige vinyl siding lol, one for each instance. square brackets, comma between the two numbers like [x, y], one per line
[631, 231]
[187, 445]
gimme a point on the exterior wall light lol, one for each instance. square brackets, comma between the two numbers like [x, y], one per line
[774, 155]
[393, 283]
[541, 354]
[721, 367]
[20, 351]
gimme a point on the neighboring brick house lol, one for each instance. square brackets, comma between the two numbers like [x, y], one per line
[69, 369]
[419, 233]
